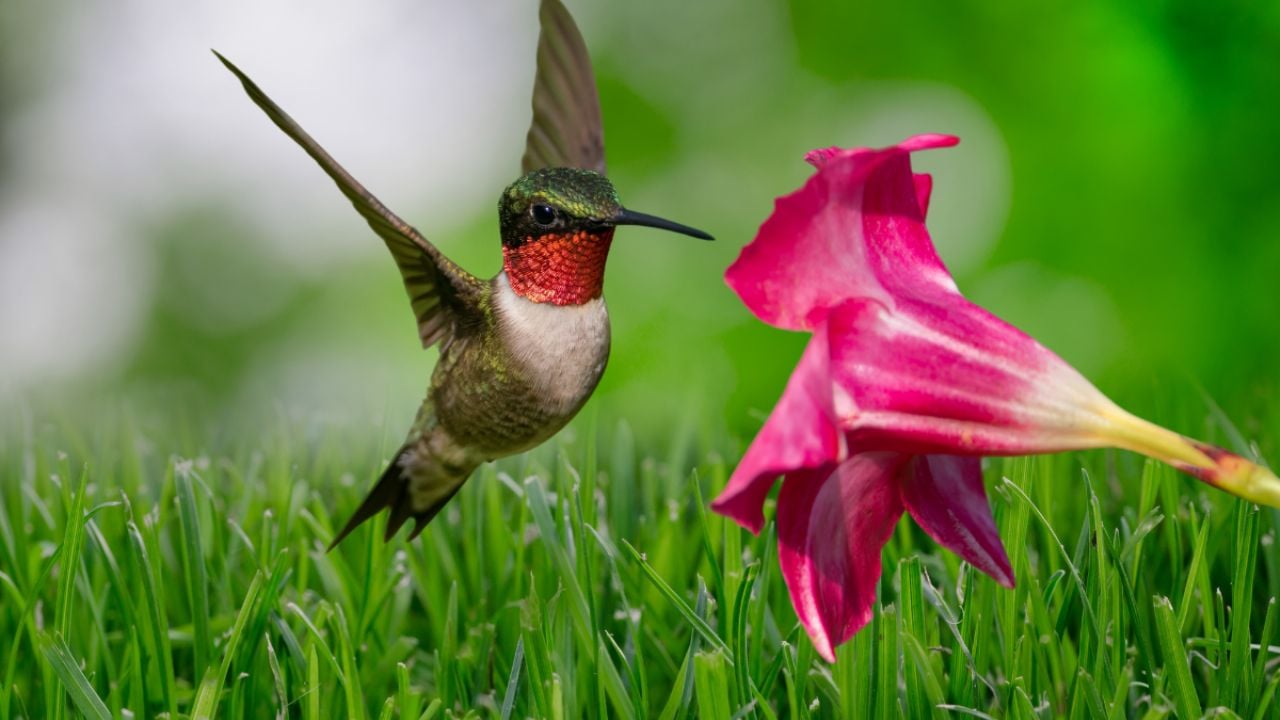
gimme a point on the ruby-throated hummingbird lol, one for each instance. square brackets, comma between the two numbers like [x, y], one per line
[521, 353]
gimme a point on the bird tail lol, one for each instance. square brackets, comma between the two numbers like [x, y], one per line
[411, 490]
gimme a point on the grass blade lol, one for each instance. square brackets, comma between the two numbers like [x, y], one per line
[683, 607]
[83, 696]
[194, 572]
[513, 681]
[1177, 671]
[711, 680]
[209, 694]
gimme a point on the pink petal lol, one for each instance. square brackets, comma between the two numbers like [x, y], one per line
[948, 377]
[945, 496]
[942, 375]
[854, 230]
[924, 188]
[820, 156]
[800, 433]
[919, 368]
[831, 527]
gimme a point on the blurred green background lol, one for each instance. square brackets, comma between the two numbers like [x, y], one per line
[1115, 192]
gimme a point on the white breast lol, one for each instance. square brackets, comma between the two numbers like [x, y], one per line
[561, 348]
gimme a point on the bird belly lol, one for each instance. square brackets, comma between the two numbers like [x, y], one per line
[561, 350]
[521, 383]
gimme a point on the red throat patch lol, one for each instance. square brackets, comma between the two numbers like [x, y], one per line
[559, 268]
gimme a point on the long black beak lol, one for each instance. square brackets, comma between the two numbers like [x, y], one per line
[629, 217]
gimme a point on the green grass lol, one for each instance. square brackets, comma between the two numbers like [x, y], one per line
[158, 567]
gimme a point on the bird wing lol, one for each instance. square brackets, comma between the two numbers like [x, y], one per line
[441, 293]
[566, 129]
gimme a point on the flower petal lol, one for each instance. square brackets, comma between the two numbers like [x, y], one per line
[924, 189]
[831, 527]
[854, 230]
[924, 377]
[930, 377]
[945, 496]
[924, 370]
[800, 433]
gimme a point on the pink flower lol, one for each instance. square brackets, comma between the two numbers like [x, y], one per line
[903, 384]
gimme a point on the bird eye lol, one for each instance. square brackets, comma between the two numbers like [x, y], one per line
[544, 215]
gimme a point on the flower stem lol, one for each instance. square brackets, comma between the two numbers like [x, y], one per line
[1210, 464]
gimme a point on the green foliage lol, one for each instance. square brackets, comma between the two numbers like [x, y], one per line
[587, 579]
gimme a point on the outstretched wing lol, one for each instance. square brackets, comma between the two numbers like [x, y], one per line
[566, 129]
[441, 293]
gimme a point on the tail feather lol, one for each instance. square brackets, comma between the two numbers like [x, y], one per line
[422, 518]
[394, 491]
[400, 513]
[390, 487]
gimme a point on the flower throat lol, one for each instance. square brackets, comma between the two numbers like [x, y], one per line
[561, 268]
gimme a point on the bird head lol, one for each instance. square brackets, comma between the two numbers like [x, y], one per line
[557, 226]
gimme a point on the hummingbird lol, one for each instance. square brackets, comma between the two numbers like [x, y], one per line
[519, 353]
